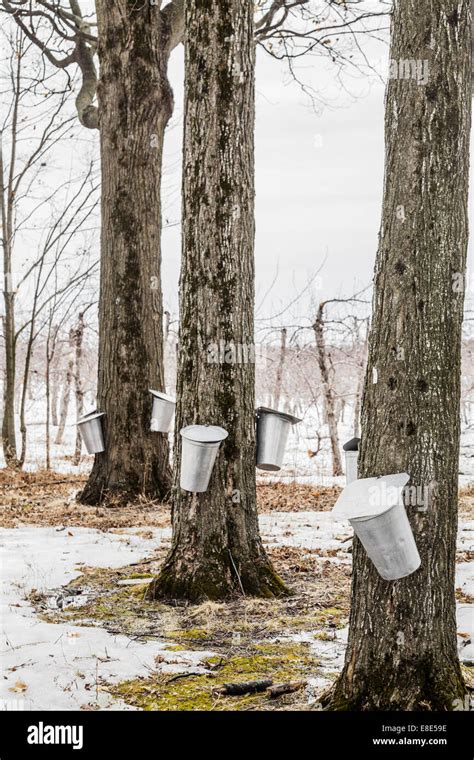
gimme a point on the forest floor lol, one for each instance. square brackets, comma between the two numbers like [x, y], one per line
[77, 632]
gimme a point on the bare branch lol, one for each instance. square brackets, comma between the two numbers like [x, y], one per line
[173, 17]
[82, 53]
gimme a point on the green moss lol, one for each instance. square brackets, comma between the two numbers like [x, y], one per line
[333, 615]
[137, 576]
[323, 636]
[126, 604]
[280, 662]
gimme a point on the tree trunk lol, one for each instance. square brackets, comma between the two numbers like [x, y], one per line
[27, 379]
[50, 353]
[66, 391]
[328, 393]
[357, 407]
[281, 365]
[402, 650]
[8, 422]
[216, 548]
[472, 46]
[78, 390]
[48, 405]
[360, 387]
[55, 390]
[341, 411]
[135, 104]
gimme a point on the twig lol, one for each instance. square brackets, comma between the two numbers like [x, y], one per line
[236, 572]
[183, 675]
[285, 688]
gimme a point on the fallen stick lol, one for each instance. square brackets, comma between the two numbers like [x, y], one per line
[182, 675]
[239, 689]
[285, 688]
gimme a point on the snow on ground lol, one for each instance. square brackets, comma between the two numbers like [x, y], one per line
[311, 530]
[57, 666]
[318, 531]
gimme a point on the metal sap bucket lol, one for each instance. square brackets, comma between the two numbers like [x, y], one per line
[162, 412]
[273, 429]
[351, 450]
[199, 449]
[375, 509]
[90, 428]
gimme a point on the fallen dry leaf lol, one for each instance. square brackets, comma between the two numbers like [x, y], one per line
[19, 687]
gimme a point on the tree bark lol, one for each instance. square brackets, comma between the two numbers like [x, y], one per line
[402, 650]
[50, 353]
[78, 389]
[280, 368]
[66, 390]
[135, 104]
[216, 547]
[55, 389]
[341, 411]
[8, 423]
[359, 389]
[328, 392]
[7, 210]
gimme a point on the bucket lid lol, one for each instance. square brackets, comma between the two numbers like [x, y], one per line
[91, 416]
[204, 433]
[370, 497]
[266, 410]
[159, 394]
[352, 445]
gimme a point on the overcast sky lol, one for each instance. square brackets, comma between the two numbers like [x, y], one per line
[318, 181]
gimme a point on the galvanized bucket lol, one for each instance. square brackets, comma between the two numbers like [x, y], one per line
[381, 524]
[389, 542]
[198, 454]
[90, 428]
[273, 429]
[162, 412]
[351, 450]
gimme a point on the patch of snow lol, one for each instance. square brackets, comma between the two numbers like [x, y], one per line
[465, 577]
[49, 666]
[311, 530]
[465, 625]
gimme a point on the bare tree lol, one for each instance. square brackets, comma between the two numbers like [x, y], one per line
[50, 350]
[66, 391]
[43, 276]
[327, 373]
[281, 365]
[216, 548]
[402, 647]
[292, 30]
[22, 212]
[360, 380]
[54, 371]
[78, 338]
